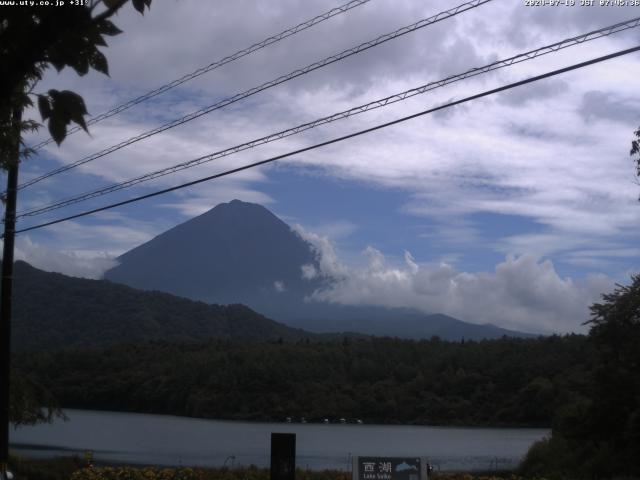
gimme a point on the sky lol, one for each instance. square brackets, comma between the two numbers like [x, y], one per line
[518, 209]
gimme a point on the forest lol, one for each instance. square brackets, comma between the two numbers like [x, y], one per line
[505, 382]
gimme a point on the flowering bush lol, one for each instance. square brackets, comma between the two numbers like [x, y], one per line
[131, 473]
[152, 473]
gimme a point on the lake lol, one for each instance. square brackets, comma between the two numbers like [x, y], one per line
[135, 438]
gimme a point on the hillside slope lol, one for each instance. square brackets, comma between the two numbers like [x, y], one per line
[52, 310]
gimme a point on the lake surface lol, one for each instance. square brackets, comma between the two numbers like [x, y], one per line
[135, 438]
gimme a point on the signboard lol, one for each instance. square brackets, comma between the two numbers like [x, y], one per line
[388, 468]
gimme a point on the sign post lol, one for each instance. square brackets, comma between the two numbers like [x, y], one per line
[283, 456]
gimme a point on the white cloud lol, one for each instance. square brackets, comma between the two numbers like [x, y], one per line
[337, 229]
[329, 264]
[523, 292]
[69, 263]
[204, 197]
[455, 231]
[309, 271]
[114, 234]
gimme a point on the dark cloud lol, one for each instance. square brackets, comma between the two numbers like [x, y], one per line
[538, 25]
[520, 96]
[597, 105]
[448, 113]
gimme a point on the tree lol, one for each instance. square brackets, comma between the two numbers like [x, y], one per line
[615, 409]
[635, 151]
[31, 403]
[32, 38]
[599, 436]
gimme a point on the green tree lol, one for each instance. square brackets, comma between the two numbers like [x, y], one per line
[615, 409]
[599, 436]
[33, 38]
[30, 401]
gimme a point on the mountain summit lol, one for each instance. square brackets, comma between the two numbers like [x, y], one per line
[237, 252]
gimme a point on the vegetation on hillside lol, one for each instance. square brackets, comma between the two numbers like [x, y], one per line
[494, 382]
[52, 311]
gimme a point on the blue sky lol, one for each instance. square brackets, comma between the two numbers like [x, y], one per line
[519, 209]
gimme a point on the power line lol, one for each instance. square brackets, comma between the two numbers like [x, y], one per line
[284, 78]
[337, 116]
[339, 139]
[217, 64]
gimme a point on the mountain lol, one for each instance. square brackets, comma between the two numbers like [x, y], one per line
[240, 252]
[236, 252]
[407, 323]
[51, 310]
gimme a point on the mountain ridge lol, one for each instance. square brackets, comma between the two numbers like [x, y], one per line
[51, 310]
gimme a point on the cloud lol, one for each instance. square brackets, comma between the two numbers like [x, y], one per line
[541, 22]
[554, 153]
[240, 24]
[545, 89]
[204, 197]
[485, 152]
[65, 262]
[523, 292]
[597, 105]
[454, 232]
[329, 265]
[337, 229]
[309, 271]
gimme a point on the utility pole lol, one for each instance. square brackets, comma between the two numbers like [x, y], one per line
[6, 286]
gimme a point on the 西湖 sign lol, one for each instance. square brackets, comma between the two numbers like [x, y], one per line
[388, 468]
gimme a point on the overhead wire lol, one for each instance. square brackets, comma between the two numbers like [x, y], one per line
[214, 65]
[338, 139]
[529, 55]
[272, 83]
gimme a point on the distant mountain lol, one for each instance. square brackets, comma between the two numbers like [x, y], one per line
[240, 252]
[407, 323]
[236, 252]
[51, 310]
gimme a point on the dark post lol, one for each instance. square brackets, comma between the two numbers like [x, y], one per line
[5, 293]
[283, 456]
